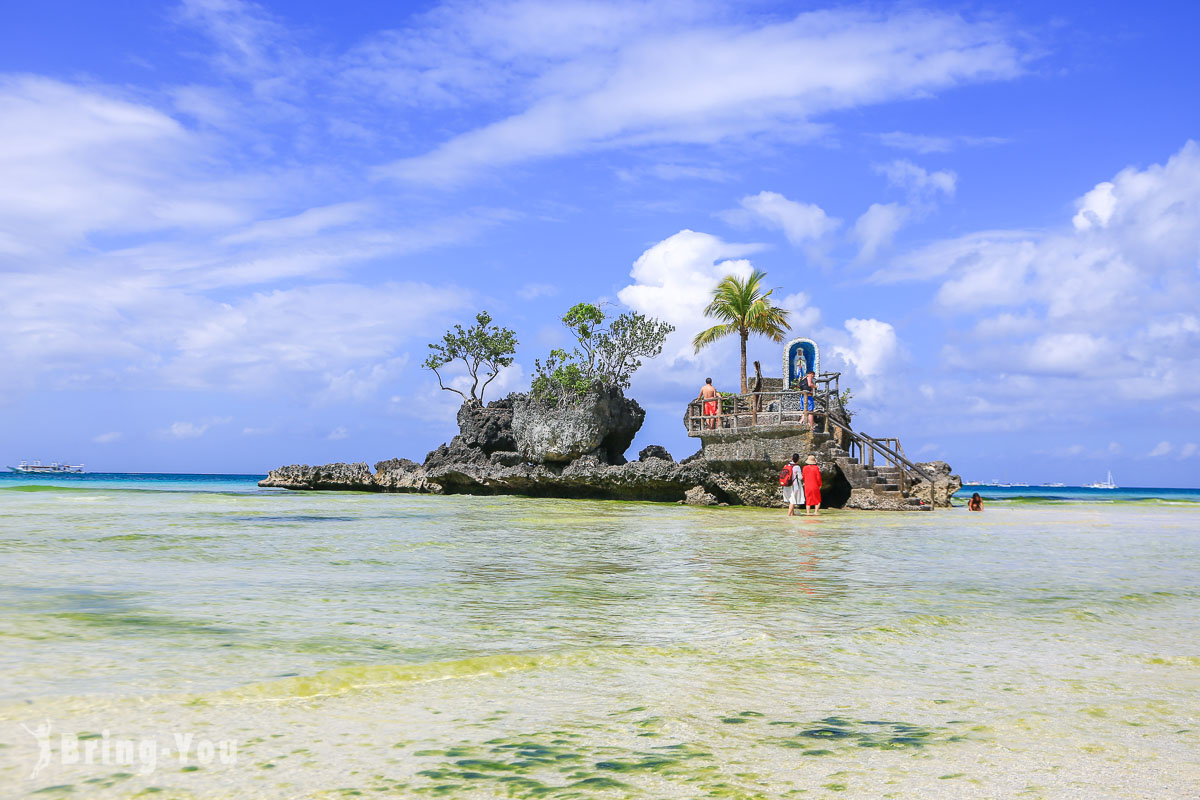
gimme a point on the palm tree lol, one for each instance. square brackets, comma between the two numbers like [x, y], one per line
[746, 309]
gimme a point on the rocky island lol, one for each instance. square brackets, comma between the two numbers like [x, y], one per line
[517, 446]
[568, 436]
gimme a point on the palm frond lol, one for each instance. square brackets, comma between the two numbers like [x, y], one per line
[706, 337]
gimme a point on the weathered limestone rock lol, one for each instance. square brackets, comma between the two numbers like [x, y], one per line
[870, 500]
[654, 451]
[402, 475]
[490, 427]
[697, 496]
[944, 484]
[603, 424]
[346, 477]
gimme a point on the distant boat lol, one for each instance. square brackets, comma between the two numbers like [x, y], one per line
[53, 468]
[1053, 485]
[1108, 484]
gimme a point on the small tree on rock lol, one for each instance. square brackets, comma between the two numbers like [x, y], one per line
[606, 355]
[483, 348]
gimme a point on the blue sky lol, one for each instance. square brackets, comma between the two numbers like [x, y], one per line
[228, 230]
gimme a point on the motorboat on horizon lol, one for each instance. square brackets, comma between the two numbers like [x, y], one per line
[53, 468]
[1108, 484]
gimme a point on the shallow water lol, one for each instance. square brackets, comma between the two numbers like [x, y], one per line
[353, 644]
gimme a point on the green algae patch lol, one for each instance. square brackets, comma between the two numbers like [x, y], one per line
[554, 765]
[843, 733]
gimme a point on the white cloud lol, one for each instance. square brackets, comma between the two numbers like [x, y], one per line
[631, 81]
[919, 183]
[801, 223]
[1112, 294]
[192, 430]
[1096, 207]
[108, 438]
[79, 160]
[1067, 353]
[876, 227]
[337, 433]
[879, 224]
[1188, 450]
[1160, 449]
[873, 352]
[924, 143]
[674, 279]
[532, 291]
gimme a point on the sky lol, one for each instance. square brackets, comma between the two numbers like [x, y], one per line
[228, 230]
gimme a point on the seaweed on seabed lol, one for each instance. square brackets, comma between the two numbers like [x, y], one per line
[881, 734]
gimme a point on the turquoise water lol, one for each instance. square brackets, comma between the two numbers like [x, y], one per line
[408, 646]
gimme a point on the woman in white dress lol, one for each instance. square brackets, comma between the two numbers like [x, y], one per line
[793, 493]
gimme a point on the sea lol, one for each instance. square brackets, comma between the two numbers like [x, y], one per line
[196, 636]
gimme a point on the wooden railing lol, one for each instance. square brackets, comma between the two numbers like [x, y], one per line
[864, 448]
[743, 412]
[751, 410]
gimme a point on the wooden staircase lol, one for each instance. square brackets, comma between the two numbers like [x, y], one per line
[884, 480]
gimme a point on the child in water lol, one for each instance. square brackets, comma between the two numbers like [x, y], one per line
[975, 503]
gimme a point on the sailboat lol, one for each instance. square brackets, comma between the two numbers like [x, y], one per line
[1108, 484]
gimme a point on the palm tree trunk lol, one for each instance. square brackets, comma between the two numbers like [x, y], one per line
[745, 335]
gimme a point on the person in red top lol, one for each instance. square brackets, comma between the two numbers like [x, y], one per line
[812, 486]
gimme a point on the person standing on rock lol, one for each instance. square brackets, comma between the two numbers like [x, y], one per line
[790, 485]
[811, 475]
[808, 385]
[712, 403]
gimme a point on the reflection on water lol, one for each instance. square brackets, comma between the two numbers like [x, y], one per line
[484, 647]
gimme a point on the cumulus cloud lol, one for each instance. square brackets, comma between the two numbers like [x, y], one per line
[801, 223]
[108, 438]
[673, 280]
[1112, 293]
[628, 79]
[873, 351]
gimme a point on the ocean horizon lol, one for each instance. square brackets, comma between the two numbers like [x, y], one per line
[185, 481]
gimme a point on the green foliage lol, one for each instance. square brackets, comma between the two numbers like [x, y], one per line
[745, 309]
[560, 377]
[483, 348]
[607, 353]
[844, 401]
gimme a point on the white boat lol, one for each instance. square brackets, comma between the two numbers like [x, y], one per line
[1108, 484]
[53, 468]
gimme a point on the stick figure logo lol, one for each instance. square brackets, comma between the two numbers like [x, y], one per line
[42, 734]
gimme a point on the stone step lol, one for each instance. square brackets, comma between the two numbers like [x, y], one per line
[888, 487]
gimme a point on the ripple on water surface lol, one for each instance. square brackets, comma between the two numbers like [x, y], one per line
[482, 647]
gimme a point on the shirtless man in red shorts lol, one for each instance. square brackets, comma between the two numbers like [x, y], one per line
[712, 403]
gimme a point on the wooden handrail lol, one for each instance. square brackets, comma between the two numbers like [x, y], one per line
[877, 444]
